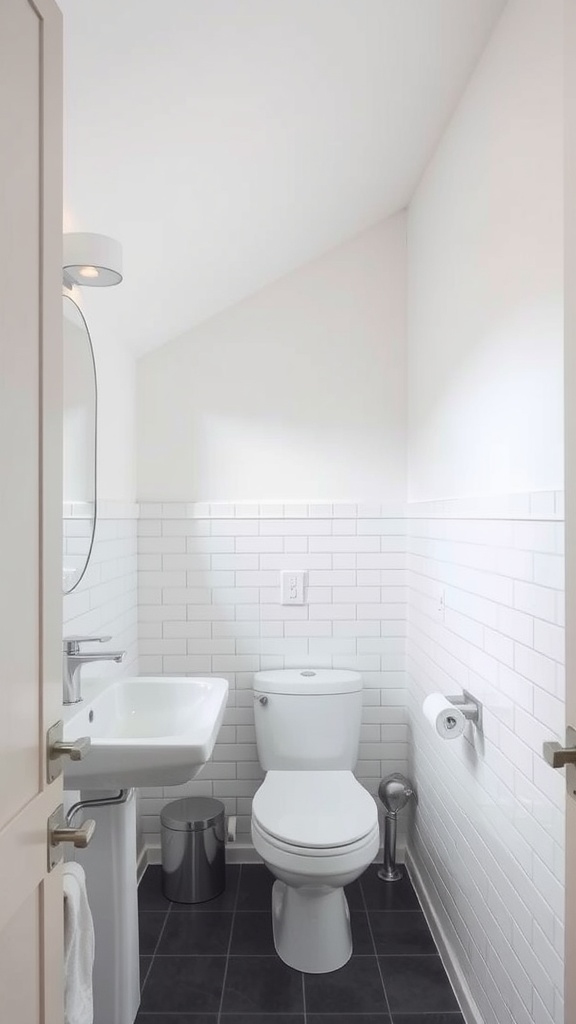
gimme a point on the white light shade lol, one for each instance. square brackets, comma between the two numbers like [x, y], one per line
[92, 260]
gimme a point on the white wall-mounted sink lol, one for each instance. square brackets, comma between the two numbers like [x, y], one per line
[148, 731]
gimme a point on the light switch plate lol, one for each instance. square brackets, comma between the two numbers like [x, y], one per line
[292, 586]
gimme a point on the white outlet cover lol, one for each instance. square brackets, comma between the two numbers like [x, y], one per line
[292, 586]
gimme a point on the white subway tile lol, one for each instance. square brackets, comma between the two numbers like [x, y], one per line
[333, 612]
[539, 669]
[235, 595]
[187, 629]
[233, 528]
[257, 578]
[186, 562]
[186, 595]
[549, 640]
[259, 544]
[344, 544]
[295, 545]
[233, 561]
[211, 545]
[549, 571]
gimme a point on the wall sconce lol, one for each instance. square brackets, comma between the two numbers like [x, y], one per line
[93, 261]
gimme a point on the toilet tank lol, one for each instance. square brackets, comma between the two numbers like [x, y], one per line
[307, 719]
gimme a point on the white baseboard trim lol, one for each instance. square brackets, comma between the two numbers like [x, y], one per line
[236, 853]
[459, 984]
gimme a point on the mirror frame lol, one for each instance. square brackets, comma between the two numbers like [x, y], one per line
[66, 295]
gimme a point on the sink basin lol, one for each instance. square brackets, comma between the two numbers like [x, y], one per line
[148, 731]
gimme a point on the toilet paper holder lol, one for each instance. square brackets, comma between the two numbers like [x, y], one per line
[469, 706]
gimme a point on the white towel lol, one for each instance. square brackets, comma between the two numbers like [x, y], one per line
[78, 948]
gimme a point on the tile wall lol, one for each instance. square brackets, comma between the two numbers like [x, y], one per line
[486, 609]
[441, 597]
[209, 590]
[105, 601]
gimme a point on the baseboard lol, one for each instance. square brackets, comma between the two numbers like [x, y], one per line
[459, 984]
[237, 853]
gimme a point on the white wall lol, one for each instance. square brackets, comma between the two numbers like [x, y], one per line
[485, 276]
[116, 374]
[116, 369]
[485, 418]
[298, 393]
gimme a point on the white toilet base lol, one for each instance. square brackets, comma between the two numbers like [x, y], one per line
[311, 927]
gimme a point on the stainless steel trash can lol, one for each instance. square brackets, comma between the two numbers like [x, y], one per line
[193, 845]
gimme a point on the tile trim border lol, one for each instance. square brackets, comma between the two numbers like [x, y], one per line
[536, 505]
[464, 996]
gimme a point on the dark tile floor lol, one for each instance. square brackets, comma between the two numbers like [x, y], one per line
[215, 963]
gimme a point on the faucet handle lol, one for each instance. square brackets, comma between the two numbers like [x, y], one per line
[71, 644]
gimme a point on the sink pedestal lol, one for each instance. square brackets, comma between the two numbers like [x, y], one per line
[110, 865]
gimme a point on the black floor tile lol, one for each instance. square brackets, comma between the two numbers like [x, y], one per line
[348, 1018]
[176, 1018]
[355, 988]
[252, 935]
[196, 935]
[417, 984]
[176, 984]
[362, 944]
[182, 983]
[145, 962]
[255, 890]
[398, 933]
[427, 1018]
[149, 928]
[151, 897]
[263, 1018]
[381, 895]
[262, 984]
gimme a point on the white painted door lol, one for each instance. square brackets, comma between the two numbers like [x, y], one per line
[570, 416]
[30, 504]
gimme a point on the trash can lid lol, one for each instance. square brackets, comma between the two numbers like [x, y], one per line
[192, 814]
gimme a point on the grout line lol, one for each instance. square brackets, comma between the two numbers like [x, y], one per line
[219, 1017]
[304, 998]
[365, 905]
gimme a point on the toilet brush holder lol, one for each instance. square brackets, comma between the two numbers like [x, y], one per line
[394, 791]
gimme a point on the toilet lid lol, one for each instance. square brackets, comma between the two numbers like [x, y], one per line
[314, 809]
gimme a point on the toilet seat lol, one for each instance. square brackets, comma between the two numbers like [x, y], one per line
[318, 813]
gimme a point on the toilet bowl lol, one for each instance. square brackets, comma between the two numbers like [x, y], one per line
[313, 824]
[316, 832]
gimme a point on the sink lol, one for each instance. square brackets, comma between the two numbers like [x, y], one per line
[147, 731]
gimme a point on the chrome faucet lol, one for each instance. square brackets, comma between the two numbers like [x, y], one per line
[73, 660]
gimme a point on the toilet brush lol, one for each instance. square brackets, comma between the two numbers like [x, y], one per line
[394, 791]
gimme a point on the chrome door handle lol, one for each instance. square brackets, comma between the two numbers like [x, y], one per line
[57, 748]
[80, 837]
[58, 833]
[558, 756]
[76, 750]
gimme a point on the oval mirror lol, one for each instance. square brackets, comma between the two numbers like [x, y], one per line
[79, 478]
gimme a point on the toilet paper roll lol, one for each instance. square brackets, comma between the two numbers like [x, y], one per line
[443, 716]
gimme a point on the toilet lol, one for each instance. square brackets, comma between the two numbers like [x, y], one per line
[313, 824]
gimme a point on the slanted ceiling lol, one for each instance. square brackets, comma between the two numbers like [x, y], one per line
[226, 142]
